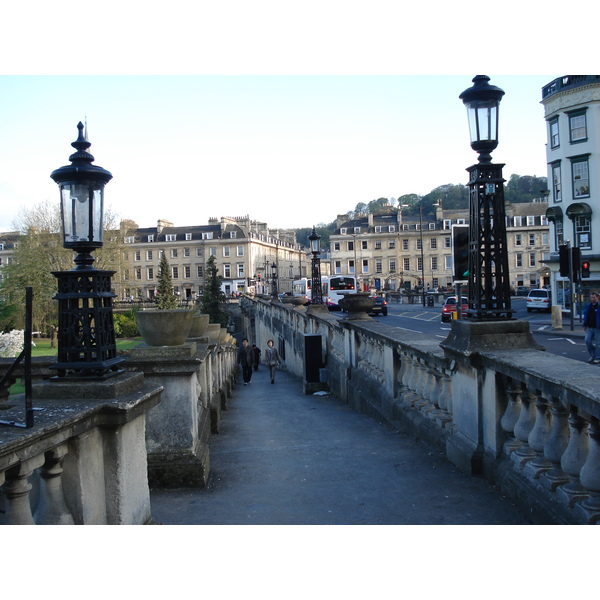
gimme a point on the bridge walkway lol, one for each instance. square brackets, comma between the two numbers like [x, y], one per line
[286, 458]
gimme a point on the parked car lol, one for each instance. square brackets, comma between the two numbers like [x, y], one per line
[449, 307]
[522, 290]
[379, 306]
[538, 300]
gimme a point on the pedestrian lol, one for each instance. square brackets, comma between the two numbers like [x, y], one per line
[591, 326]
[272, 359]
[245, 360]
[257, 352]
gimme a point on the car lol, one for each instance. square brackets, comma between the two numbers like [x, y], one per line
[379, 306]
[449, 307]
[522, 290]
[539, 300]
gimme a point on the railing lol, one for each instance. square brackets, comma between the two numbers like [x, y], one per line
[525, 419]
[568, 82]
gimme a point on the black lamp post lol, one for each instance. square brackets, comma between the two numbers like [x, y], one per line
[316, 286]
[274, 273]
[86, 335]
[489, 282]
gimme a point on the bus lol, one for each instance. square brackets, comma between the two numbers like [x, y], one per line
[301, 287]
[339, 286]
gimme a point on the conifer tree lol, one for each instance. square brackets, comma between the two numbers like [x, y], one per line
[166, 295]
[213, 297]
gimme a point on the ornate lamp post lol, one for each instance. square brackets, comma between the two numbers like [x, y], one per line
[489, 282]
[274, 273]
[316, 286]
[86, 335]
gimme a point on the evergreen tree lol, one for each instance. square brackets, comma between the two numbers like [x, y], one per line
[213, 296]
[166, 295]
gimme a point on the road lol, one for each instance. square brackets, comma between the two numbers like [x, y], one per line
[426, 320]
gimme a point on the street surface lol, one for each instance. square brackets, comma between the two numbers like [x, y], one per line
[427, 320]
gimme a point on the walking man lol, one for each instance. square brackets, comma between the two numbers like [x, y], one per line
[246, 360]
[272, 359]
[591, 326]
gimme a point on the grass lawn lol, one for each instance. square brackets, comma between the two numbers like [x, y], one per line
[42, 348]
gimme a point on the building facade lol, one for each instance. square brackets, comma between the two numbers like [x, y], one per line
[248, 255]
[394, 249]
[572, 112]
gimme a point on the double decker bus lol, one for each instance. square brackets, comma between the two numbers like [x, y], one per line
[301, 287]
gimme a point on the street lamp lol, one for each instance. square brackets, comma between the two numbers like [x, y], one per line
[422, 254]
[489, 283]
[274, 273]
[86, 335]
[316, 286]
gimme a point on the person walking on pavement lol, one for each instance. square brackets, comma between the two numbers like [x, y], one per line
[246, 360]
[591, 326]
[272, 359]
[257, 352]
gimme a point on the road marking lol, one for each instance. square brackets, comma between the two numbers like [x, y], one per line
[558, 339]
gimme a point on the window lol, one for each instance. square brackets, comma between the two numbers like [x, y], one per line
[338, 267]
[239, 250]
[138, 273]
[170, 237]
[419, 264]
[188, 236]
[151, 237]
[554, 138]
[187, 271]
[233, 234]
[558, 231]
[175, 272]
[336, 246]
[149, 254]
[377, 228]
[199, 271]
[543, 220]
[434, 263]
[130, 239]
[207, 235]
[357, 230]
[186, 252]
[378, 266]
[447, 242]
[378, 245]
[530, 221]
[392, 228]
[150, 273]
[545, 239]
[227, 271]
[556, 186]
[212, 251]
[1, 246]
[364, 245]
[392, 244]
[447, 224]
[532, 239]
[198, 251]
[350, 245]
[343, 231]
[137, 255]
[581, 184]
[240, 270]
[431, 226]
[173, 252]
[407, 264]
[448, 263]
[392, 265]
[577, 126]
[404, 226]
[582, 231]
[433, 243]
[404, 244]
[518, 260]
[517, 221]
[365, 265]
[351, 267]
[226, 251]
[518, 239]
[419, 244]
[532, 259]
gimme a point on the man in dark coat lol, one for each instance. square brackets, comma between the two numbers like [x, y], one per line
[591, 326]
[246, 360]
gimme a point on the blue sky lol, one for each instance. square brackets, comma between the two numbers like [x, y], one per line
[288, 150]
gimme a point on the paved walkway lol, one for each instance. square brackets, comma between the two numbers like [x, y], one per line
[285, 458]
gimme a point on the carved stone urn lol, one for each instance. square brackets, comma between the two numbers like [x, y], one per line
[164, 327]
[356, 306]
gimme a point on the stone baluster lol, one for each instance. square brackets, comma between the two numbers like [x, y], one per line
[422, 379]
[424, 403]
[590, 475]
[410, 381]
[16, 489]
[523, 428]
[574, 458]
[511, 416]
[556, 445]
[52, 509]
[538, 436]
[445, 397]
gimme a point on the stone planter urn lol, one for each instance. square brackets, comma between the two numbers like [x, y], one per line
[160, 327]
[199, 325]
[357, 305]
[214, 332]
[294, 301]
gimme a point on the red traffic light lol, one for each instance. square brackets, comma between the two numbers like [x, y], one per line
[585, 269]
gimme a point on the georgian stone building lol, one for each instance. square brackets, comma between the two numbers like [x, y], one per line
[572, 112]
[249, 257]
[394, 250]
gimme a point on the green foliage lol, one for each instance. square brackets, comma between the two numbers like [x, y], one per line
[166, 295]
[125, 324]
[213, 297]
[524, 189]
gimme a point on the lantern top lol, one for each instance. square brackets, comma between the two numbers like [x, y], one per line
[482, 91]
[314, 235]
[81, 167]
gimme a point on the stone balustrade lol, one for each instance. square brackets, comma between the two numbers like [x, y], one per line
[525, 419]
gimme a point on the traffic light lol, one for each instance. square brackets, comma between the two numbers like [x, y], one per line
[563, 261]
[576, 257]
[460, 252]
[585, 269]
